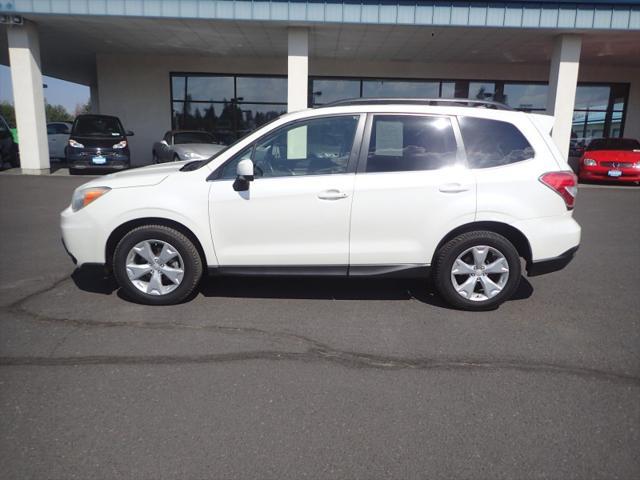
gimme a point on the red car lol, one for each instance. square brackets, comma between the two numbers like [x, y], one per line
[611, 160]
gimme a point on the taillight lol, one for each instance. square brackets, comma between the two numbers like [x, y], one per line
[564, 184]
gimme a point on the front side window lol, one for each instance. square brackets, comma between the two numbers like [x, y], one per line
[320, 146]
[407, 143]
[492, 143]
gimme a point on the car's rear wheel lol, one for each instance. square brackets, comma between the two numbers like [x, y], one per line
[477, 270]
[157, 265]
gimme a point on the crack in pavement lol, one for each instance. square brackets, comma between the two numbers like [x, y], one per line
[316, 351]
[347, 359]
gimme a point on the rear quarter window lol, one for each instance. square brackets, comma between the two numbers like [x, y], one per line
[492, 143]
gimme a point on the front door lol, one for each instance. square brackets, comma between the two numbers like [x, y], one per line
[297, 210]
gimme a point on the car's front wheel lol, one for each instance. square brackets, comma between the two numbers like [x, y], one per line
[477, 270]
[157, 265]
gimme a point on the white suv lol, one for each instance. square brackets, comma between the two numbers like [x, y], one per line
[401, 188]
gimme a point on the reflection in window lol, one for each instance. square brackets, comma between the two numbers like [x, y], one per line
[332, 90]
[592, 97]
[491, 143]
[482, 91]
[228, 107]
[178, 83]
[406, 143]
[209, 89]
[391, 88]
[526, 97]
[252, 116]
[261, 89]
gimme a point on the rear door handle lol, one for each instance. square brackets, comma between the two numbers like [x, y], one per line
[332, 194]
[454, 188]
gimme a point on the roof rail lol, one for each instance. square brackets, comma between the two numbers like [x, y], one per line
[460, 102]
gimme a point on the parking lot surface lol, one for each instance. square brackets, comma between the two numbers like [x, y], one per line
[317, 378]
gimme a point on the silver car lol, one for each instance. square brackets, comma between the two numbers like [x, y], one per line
[185, 145]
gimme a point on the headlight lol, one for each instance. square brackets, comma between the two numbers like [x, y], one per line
[589, 162]
[83, 197]
[636, 165]
[192, 156]
[74, 144]
[121, 144]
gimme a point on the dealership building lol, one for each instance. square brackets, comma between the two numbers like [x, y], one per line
[228, 66]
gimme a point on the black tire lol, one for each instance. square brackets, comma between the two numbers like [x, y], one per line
[447, 255]
[193, 266]
[176, 158]
[155, 157]
[73, 171]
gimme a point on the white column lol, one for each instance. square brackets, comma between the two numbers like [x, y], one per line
[94, 99]
[563, 81]
[298, 69]
[28, 97]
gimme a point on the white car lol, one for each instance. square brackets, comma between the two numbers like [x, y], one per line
[377, 188]
[58, 137]
[179, 145]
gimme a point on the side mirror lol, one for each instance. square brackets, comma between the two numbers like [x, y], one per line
[130, 133]
[164, 142]
[244, 172]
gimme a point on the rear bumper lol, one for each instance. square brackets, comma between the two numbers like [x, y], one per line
[551, 264]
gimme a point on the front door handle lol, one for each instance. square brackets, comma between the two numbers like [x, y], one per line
[454, 188]
[332, 194]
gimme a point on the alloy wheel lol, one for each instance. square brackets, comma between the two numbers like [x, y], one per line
[155, 267]
[480, 273]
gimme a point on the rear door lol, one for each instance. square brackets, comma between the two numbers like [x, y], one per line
[411, 189]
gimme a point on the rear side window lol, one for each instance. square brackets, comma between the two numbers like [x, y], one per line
[401, 143]
[491, 143]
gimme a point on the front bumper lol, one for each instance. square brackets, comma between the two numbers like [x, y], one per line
[601, 174]
[82, 159]
[82, 238]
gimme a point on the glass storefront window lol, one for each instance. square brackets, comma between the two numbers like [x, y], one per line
[332, 90]
[227, 106]
[254, 115]
[262, 89]
[177, 87]
[393, 88]
[590, 97]
[209, 89]
[524, 96]
[448, 90]
[482, 90]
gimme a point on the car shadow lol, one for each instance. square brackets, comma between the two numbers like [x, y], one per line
[327, 288]
[94, 280]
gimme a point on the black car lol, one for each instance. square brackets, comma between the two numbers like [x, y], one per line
[98, 142]
[8, 148]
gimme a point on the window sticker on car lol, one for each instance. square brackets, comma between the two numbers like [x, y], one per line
[297, 143]
[389, 138]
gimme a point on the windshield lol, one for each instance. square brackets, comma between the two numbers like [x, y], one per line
[193, 137]
[98, 126]
[614, 144]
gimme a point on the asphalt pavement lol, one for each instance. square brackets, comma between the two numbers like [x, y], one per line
[317, 378]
